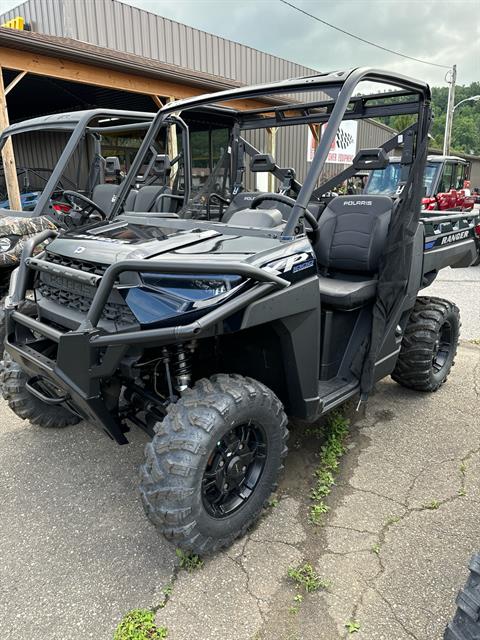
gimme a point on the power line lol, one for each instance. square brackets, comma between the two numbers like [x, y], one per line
[352, 35]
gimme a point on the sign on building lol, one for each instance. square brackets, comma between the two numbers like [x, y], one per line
[344, 146]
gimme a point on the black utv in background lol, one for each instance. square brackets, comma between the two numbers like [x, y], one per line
[209, 317]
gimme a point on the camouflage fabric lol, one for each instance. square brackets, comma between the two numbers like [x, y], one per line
[19, 230]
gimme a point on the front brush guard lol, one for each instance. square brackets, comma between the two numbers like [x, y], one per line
[89, 355]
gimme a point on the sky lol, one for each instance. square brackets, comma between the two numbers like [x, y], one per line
[441, 31]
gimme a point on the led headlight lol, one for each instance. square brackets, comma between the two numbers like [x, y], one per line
[191, 287]
[167, 297]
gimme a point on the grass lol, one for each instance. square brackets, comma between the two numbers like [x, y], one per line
[304, 577]
[352, 626]
[188, 561]
[139, 624]
[330, 453]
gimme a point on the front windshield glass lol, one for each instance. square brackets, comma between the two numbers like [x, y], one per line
[385, 181]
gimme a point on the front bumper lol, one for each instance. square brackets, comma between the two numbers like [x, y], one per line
[80, 361]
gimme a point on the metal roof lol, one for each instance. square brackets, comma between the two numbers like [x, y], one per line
[68, 121]
[67, 48]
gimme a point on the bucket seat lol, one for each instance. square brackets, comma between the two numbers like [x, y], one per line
[352, 236]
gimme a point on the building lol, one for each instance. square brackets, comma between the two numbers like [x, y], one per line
[72, 54]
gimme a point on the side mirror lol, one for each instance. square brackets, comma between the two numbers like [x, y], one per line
[370, 159]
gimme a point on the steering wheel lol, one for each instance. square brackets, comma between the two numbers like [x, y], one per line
[89, 206]
[278, 197]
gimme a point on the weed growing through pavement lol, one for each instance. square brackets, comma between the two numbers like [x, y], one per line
[189, 561]
[304, 577]
[434, 504]
[336, 431]
[352, 626]
[392, 520]
[376, 548]
[139, 624]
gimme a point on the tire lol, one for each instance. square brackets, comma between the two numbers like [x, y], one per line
[28, 308]
[466, 622]
[185, 462]
[26, 406]
[429, 345]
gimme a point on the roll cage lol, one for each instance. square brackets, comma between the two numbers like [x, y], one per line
[78, 124]
[336, 103]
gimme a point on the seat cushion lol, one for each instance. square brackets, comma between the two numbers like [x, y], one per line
[104, 195]
[346, 294]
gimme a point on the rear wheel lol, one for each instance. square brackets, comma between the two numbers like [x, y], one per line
[27, 406]
[466, 622]
[213, 462]
[429, 345]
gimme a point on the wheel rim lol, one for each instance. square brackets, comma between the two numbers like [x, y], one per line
[442, 348]
[234, 469]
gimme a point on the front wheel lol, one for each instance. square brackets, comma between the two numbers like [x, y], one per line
[213, 462]
[13, 380]
[466, 622]
[429, 345]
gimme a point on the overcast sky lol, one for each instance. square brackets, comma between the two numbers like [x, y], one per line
[441, 31]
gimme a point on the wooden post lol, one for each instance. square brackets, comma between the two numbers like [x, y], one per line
[8, 156]
[271, 149]
[172, 146]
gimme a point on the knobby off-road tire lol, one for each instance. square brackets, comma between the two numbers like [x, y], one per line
[26, 406]
[28, 308]
[466, 622]
[204, 435]
[429, 345]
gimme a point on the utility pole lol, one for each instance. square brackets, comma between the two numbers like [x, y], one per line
[450, 107]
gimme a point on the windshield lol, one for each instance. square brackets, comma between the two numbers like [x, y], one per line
[385, 181]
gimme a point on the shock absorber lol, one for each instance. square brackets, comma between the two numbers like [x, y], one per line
[182, 366]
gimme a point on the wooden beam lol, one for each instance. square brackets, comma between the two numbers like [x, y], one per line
[271, 149]
[15, 81]
[157, 101]
[172, 145]
[62, 69]
[8, 156]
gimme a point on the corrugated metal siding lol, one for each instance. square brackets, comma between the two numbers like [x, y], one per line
[119, 26]
[41, 150]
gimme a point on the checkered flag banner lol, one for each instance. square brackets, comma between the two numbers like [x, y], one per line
[344, 139]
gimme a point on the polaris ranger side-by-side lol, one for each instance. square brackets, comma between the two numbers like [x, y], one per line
[210, 318]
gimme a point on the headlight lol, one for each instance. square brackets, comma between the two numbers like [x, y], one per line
[191, 287]
[167, 297]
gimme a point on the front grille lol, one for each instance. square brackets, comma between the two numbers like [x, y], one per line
[80, 265]
[73, 295]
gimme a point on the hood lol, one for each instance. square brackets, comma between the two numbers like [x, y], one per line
[107, 244]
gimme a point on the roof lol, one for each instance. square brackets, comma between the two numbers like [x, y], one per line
[71, 119]
[78, 51]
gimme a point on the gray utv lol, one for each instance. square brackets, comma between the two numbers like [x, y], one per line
[211, 317]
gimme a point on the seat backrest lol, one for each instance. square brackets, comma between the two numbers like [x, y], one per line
[104, 196]
[148, 199]
[353, 232]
